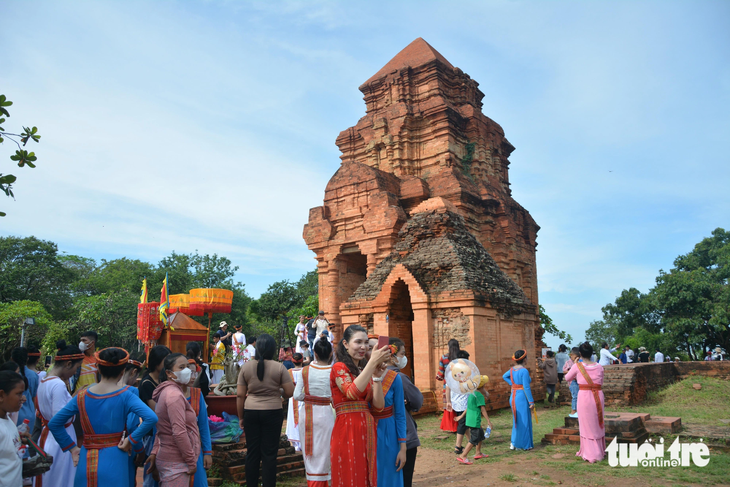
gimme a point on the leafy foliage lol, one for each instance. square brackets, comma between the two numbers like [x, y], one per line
[547, 323]
[12, 316]
[687, 311]
[22, 157]
[30, 269]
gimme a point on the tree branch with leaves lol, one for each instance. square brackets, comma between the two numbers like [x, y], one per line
[22, 157]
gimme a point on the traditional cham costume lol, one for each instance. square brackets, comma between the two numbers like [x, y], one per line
[238, 346]
[316, 420]
[292, 414]
[590, 410]
[103, 419]
[520, 400]
[391, 427]
[216, 362]
[353, 446]
[52, 397]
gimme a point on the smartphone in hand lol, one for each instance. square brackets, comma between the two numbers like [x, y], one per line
[383, 341]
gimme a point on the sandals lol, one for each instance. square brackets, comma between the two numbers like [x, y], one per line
[458, 450]
[465, 461]
[480, 455]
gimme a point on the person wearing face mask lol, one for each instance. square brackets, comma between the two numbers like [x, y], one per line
[177, 444]
[52, 397]
[87, 374]
[414, 401]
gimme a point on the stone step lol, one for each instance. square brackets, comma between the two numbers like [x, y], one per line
[232, 458]
[280, 462]
[663, 425]
[565, 431]
[281, 471]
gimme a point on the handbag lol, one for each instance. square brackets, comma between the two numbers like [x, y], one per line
[39, 462]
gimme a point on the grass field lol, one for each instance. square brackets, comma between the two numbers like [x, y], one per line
[557, 465]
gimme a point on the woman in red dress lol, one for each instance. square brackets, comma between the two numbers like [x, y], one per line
[353, 447]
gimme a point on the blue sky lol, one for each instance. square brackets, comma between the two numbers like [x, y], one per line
[210, 126]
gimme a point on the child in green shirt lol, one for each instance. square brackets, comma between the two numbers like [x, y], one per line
[475, 409]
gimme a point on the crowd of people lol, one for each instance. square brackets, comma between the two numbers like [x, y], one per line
[349, 408]
[87, 412]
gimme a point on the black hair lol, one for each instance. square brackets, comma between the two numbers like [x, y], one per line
[323, 350]
[586, 350]
[63, 349]
[33, 359]
[19, 355]
[550, 354]
[11, 366]
[604, 345]
[139, 357]
[156, 356]
[303, 343]
[251, 339]
[341, 352]
[397, 342]
[562, 348]
[112, 355]
[90, 334]
[462, 354]
[264, 351]
[9, 379]
[168, 364]
[453, 349]
[575, 351]
[192, 350]
[520, 356]
[297, 358]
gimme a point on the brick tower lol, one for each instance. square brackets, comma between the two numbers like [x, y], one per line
[419, 236]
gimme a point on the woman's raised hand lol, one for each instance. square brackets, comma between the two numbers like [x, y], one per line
[380, 355]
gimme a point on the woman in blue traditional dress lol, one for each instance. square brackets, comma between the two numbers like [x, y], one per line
[103, 409]
[391, 423]
[518, 377]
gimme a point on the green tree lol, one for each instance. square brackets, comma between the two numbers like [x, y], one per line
[631, 310]
[22, 157]
[600, 331]
[12, 317]
[30, 269]
[112, 315]
[693, 298]
[547, 323]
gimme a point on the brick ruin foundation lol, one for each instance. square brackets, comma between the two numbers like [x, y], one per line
[419, 236]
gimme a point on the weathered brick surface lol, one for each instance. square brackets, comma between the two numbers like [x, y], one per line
[419, 236]
[629, 384]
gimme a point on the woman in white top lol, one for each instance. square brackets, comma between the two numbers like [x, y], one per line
[292, 416]
[301, 332]
[316, 417]
[52, 397]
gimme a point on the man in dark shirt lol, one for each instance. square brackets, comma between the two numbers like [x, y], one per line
[643, 355]
[224, 334]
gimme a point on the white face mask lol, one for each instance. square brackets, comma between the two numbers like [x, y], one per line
[83, 347]
[402, 362]
[182, 376]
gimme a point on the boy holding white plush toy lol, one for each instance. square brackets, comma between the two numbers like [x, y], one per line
[475, 409]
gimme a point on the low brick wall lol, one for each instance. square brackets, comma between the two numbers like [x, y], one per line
[626, 385]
